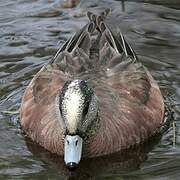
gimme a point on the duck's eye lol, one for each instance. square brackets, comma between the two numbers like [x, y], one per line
[85, 111]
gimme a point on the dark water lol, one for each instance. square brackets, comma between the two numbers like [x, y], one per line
[31, 32]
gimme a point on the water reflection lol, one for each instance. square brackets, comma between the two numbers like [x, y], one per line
[116, 164]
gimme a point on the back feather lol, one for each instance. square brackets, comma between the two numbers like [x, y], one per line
[94, 46]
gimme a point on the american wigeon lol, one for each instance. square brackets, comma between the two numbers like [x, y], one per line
[93, 98]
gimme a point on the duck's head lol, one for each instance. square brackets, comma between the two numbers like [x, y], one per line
[79, 111]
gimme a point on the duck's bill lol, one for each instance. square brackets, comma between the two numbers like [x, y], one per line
[72, 150]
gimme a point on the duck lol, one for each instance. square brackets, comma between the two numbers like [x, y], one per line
[94, 98]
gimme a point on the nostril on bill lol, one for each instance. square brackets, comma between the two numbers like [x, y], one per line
[76, 142]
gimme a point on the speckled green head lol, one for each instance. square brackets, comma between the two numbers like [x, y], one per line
[78, 107]
[79, 110]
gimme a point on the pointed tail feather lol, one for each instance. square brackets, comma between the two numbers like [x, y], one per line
[98, 20]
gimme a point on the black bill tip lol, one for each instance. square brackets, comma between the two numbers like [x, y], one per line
[71, 166]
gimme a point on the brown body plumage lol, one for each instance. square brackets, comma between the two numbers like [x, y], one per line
[131, 107]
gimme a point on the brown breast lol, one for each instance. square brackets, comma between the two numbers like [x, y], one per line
[131, 110]
[40, 116]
